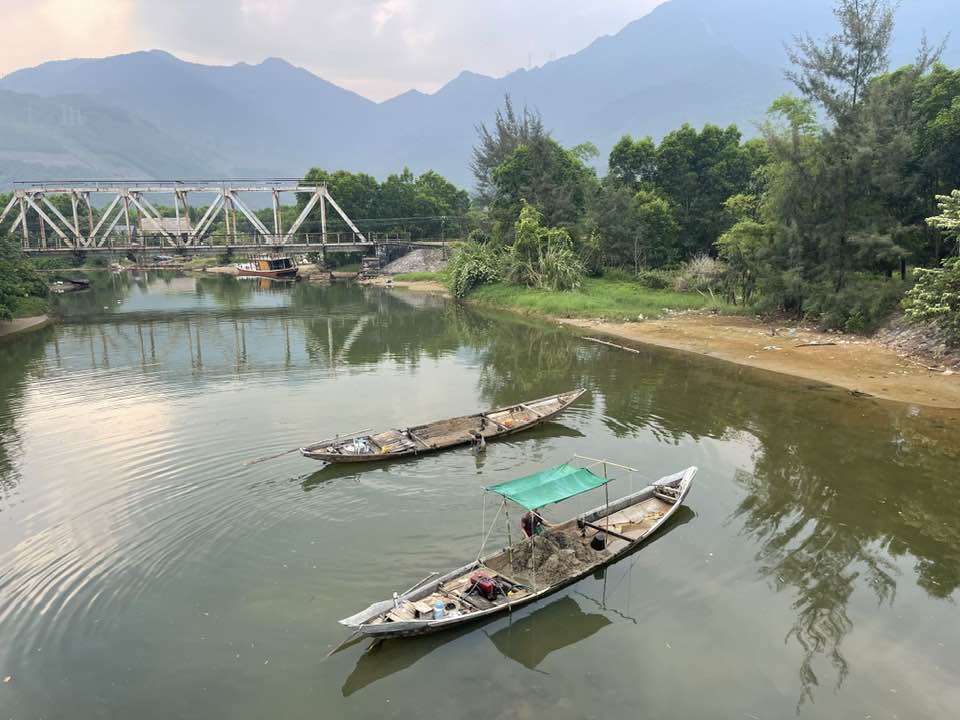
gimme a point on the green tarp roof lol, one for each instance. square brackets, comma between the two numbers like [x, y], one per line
[548, 486]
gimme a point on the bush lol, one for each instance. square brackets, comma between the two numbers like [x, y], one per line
[542, 257]
[656, 279]
[700, 274]
[478, 235]
[861, 306]
[20, 284]
[618, 274]
[474, 265]
[936, 297]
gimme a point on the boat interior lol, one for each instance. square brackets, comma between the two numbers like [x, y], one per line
[464, 593]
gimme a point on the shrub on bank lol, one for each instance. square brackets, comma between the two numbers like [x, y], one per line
[476, 264]
[656, 279]
[936, 297]
[702, 274]
[861, 306]
[23, 290]
[542, 257]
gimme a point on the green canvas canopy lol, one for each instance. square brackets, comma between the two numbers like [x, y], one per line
[548, 486]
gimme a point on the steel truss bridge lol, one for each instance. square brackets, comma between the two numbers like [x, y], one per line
[131, 223]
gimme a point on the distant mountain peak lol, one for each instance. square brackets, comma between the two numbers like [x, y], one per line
[278, 62]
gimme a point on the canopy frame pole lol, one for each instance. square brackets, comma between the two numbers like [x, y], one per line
[506, 515]
[606, 493]
[493, 524]
[483, 522]
[533, 552]
[598, 461]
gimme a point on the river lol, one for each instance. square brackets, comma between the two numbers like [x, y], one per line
[146, 571]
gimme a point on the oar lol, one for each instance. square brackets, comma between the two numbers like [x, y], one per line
[345, 644]
[293, 450]
[421, 582]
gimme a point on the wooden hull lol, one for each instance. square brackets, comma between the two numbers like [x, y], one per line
[369, 622]
[445, 434]
[276, 274]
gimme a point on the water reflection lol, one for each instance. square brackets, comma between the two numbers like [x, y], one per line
[555, 626]
[843, 508]
[19, 360]
[829, 517]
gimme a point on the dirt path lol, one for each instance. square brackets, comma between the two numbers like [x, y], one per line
[858, 364]
[12, 327]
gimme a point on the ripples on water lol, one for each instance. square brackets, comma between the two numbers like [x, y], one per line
[143, 561]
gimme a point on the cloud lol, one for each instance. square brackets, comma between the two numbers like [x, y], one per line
[56, 29]
[378, 48]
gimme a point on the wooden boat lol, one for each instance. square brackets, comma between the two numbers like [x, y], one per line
[600, 536]
[268, 266]
[443, 433]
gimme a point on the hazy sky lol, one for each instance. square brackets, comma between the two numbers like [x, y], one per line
[376, 47]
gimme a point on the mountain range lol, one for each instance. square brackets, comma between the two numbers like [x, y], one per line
[151, 115]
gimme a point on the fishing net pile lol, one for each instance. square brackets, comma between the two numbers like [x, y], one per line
[552, 557]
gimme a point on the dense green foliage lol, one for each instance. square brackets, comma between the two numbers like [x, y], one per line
[474, 264]
[692, 173]
[818, 218]
[509, 132]
[936, 297]
[948, 221]
[541, 256]
[22, 289]
[427, 206]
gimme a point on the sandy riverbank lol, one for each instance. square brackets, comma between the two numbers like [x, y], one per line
[856, 363]
[430, 286]
[19, 325]
[853, 362]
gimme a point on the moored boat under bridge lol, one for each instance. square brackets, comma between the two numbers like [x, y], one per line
[120, 217]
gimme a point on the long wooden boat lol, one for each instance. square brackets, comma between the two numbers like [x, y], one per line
[600, 536]
[268, 267]
[443, 433]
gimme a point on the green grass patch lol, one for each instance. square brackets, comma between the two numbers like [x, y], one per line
[353, 267]
[198, 261]
[596, 298]
[421, 277]
[30, 306]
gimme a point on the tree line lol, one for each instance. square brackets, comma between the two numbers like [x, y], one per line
[838, 211]
[819, 216]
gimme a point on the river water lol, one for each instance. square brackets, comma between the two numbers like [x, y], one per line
[146, 571]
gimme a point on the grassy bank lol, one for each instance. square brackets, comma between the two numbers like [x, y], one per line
[596, 298]
[421, 277]
[30, 307]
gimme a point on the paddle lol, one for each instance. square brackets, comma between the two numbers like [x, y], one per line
[293, 450]
[354, 638]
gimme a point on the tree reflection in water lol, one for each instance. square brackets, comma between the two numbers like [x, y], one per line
[837, 492]
[831, 512]
[20, 358]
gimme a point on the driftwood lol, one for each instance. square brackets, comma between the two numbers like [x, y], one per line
[814, 344]
[613, 345]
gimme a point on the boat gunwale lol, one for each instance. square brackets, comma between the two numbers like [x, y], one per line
[308, 451]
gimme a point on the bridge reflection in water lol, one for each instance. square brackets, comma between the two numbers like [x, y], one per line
[822, 520]
[225, 326]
